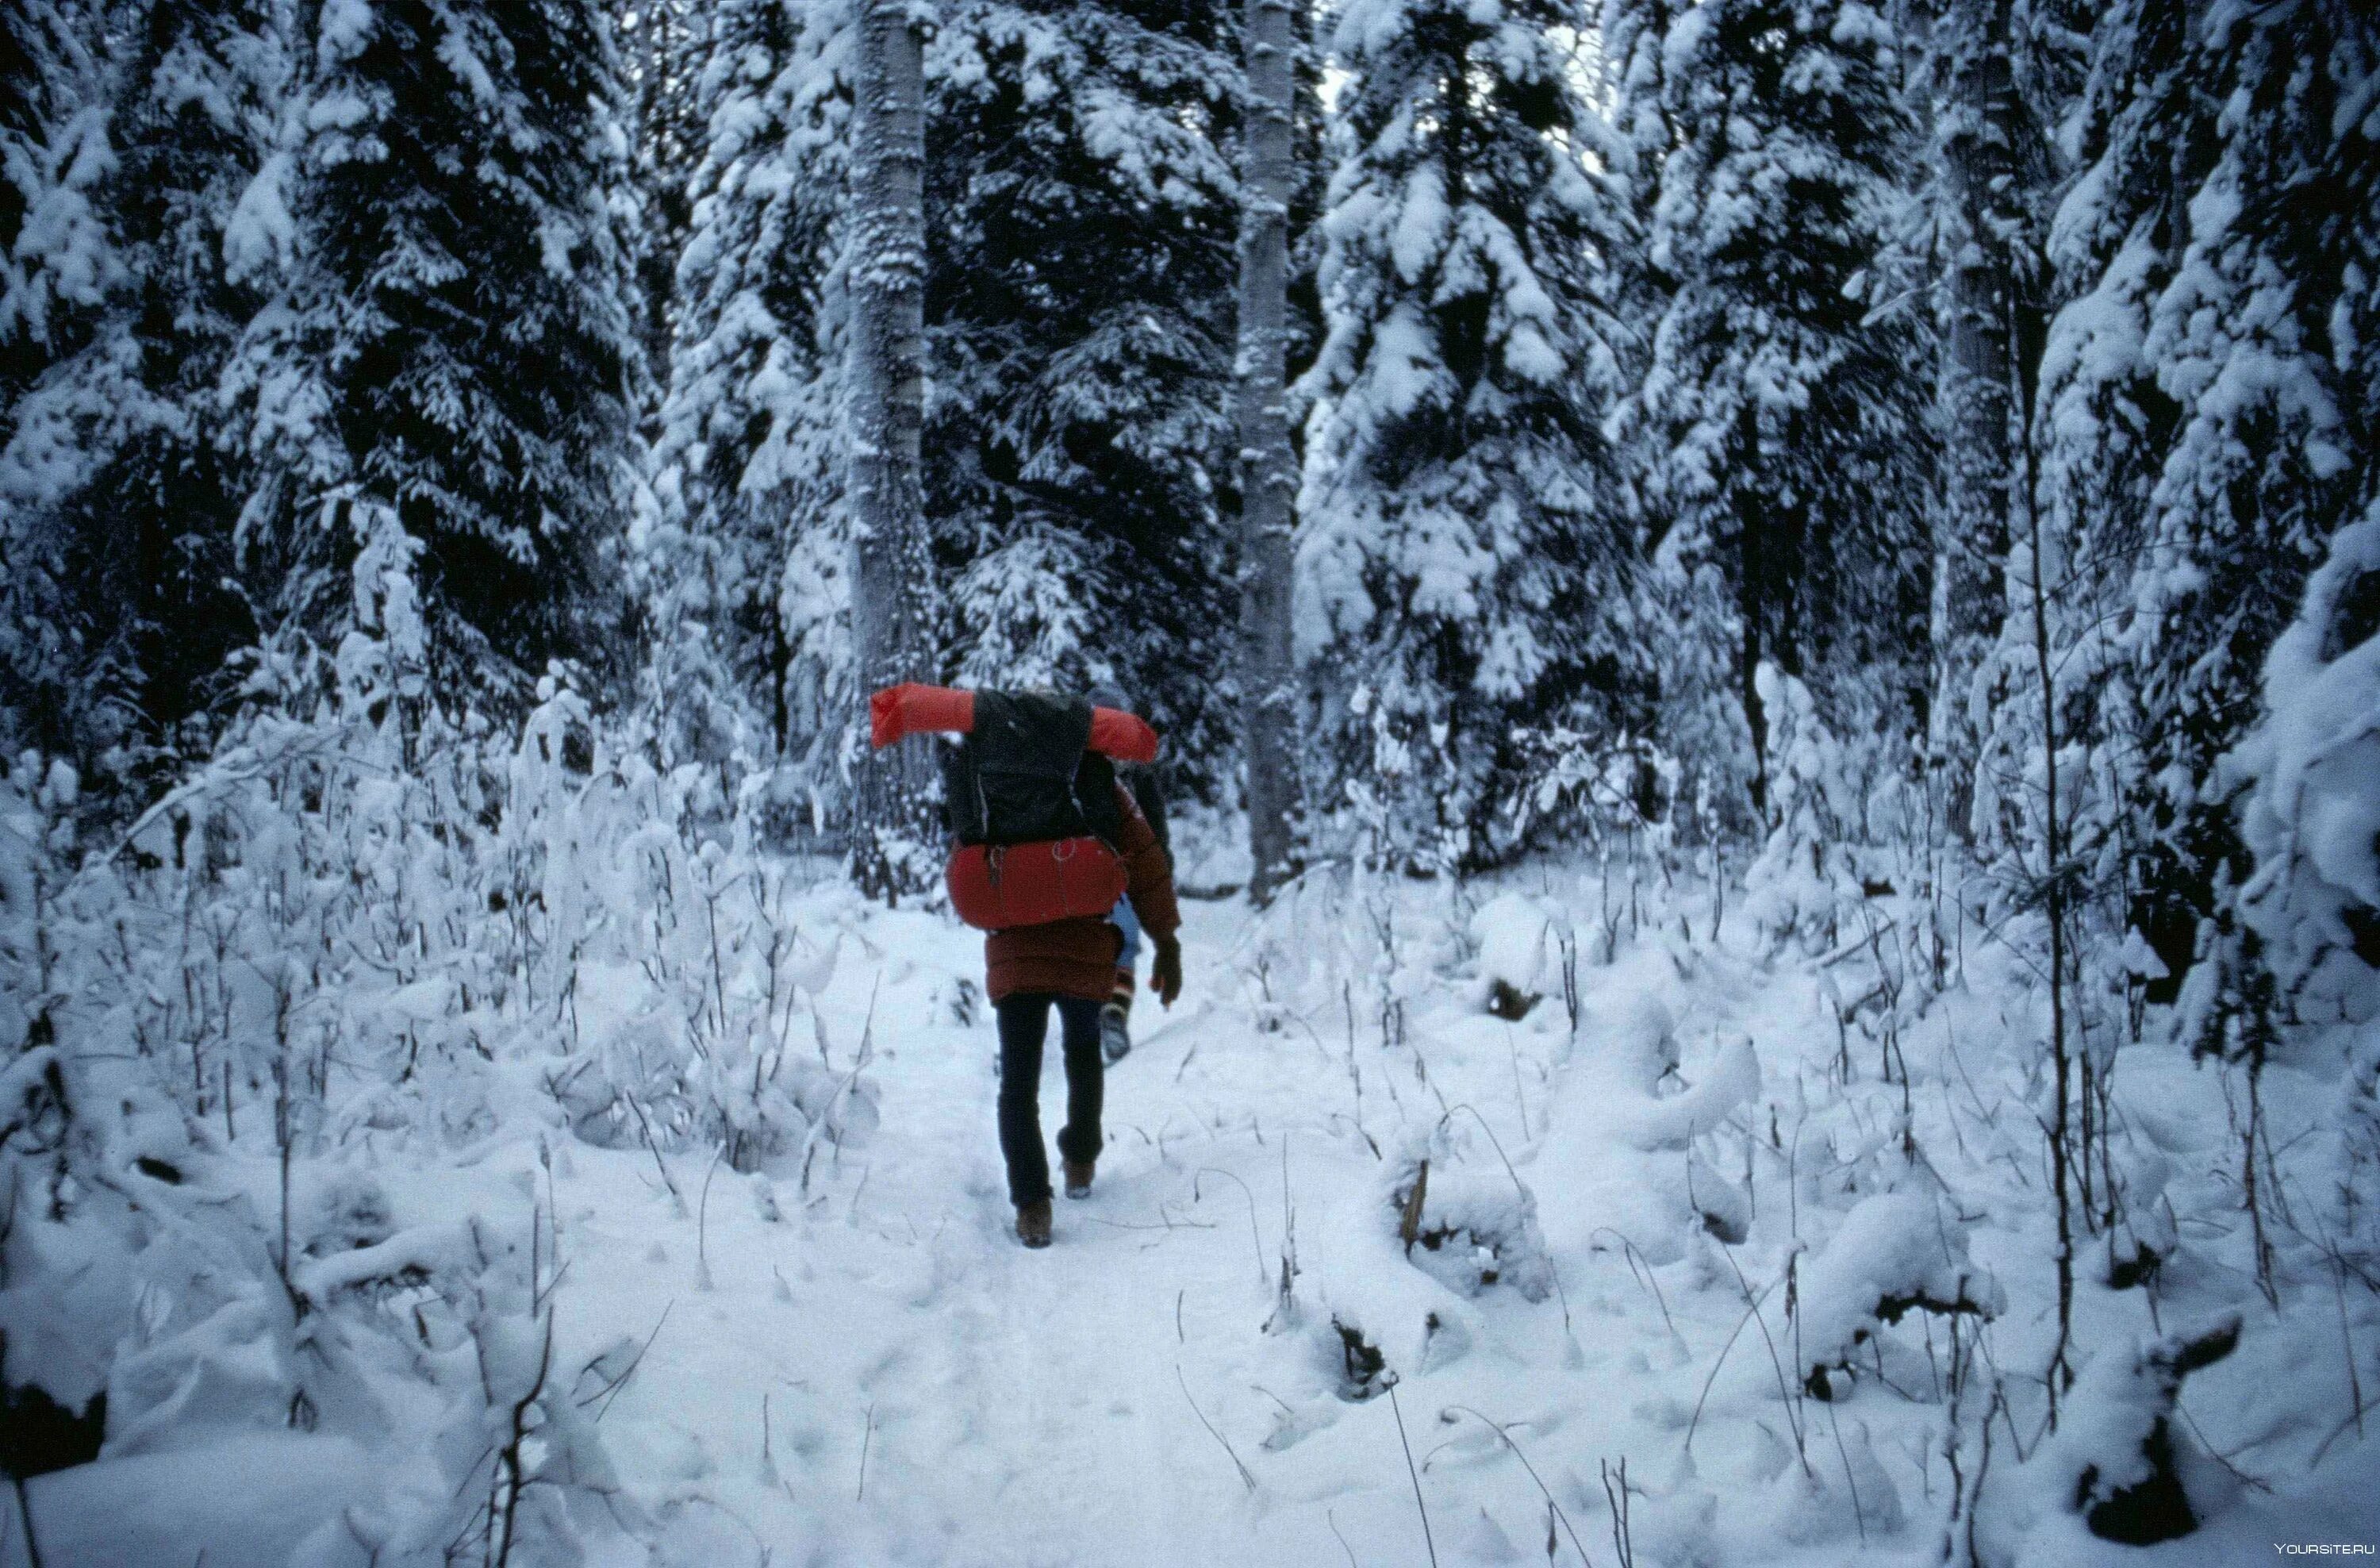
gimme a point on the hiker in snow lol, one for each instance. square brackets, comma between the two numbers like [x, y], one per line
[1048, 840]
[1115, 1019]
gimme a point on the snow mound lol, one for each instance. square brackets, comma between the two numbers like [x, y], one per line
[1642, 1041]
[1477, 1228]
[2118, 1467]
[250, 1498]
[1729, 1080]
[1893, 1253]
[1520, 939]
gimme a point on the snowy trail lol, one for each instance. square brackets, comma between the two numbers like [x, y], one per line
[1013, 1407]
[1016, 1407]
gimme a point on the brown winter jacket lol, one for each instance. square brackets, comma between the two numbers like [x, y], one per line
[1077, 957]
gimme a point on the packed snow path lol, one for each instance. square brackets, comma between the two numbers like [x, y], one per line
[938, 1395]
[864, 1367]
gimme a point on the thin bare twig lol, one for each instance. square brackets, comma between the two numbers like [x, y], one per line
[1246, 1478]
[1254, 1235]
[1330, 1517]
[1500, 1431]
[612, 1392]
[702, 1223]
[1424, 1508]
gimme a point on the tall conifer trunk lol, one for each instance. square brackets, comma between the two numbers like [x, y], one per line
[890, 625]
[1990, 176]
[1268, 466]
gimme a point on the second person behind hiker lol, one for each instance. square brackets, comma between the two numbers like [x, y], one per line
[1115, 1019]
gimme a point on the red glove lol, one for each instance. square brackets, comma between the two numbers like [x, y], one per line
[912, 706]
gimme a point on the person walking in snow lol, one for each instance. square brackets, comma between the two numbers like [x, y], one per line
[1032, 795]
[1071, 966]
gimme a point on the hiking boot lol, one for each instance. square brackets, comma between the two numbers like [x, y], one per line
[1033, 1223]
[1078, 1177]
[1115, 1040]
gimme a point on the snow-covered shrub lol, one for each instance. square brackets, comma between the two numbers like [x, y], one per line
[1522, 941]
[136, 1286]
[682, 978]
[1473, 1226]
[2118, 1461]
[1399, 760]
[1617, 794]
[511, 1459]
[1796, 890]
[368, 922]
[1363, 1372]
[1893, 1255]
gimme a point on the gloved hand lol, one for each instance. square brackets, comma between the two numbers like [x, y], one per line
[1166, 978]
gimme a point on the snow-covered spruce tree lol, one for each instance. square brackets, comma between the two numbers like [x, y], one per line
[56, 266]
[122, 494]
[665, 47]
[1077, 299]
[1793, 453]
[2203, 417]
[2203, 426]
[2101, 427]
[744, 569]
[454, 336]
[2311, 911]
[1632, 35]
[1079, 322]
[2311, 816]
[2309, 820]
[1699, 715]
[2053, 810]
[1463, 569]
[2263, 340]
[54, 151]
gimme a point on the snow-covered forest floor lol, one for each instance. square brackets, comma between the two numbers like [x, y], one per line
[1688, 1175]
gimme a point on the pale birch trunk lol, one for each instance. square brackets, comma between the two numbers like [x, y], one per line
[1268, 677]
[893, 840]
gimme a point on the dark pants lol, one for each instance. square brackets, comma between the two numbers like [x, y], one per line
[1024, 1022]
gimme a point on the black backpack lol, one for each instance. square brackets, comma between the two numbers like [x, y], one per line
[1024, 774]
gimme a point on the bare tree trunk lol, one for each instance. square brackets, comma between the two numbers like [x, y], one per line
[892, 826]
[1268, 466]
[1991, 172]
[1753, 605]
[2053, 903]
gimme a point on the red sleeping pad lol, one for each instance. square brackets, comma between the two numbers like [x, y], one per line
[994, 887]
